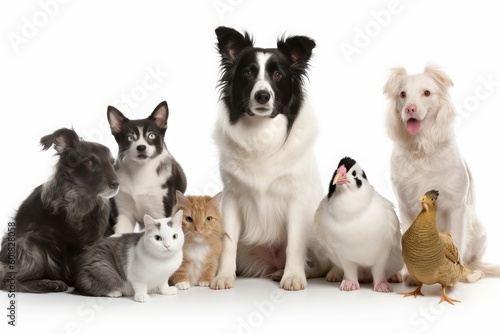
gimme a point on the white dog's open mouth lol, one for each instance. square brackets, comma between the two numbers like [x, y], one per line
[413, 126]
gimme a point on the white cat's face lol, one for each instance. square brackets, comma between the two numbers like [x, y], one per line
[164, 236]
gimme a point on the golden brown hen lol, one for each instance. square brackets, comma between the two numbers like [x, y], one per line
[431, 256]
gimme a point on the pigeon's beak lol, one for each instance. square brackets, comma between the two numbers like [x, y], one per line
[338, 178]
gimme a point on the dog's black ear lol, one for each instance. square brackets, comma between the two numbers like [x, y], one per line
[115, 120]
[61, 139]
[231, 42]
[298, 49]
[160, 115]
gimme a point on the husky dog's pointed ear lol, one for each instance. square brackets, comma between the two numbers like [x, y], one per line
[61, 139]
[298, 49]
[230, 43]
[115, 120]
[160, 115]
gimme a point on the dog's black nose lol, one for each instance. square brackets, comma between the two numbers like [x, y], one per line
[113, 184]
[262, 96]
[141, 148]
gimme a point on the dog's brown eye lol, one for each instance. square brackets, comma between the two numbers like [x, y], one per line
[402, 94]
[88, 163]
[427, 93]
[247, 73]
[277, 75]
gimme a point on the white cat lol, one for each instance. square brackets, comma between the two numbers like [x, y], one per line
[133, 264]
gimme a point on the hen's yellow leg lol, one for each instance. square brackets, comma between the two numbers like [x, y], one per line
[447, 299]
[414, 293]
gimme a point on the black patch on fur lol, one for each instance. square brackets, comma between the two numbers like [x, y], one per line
[177, 181]
[238, 55]
[359, 183]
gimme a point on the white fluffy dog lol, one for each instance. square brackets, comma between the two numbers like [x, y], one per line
[419, 120]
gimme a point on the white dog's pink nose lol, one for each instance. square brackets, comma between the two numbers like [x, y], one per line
[411, 109]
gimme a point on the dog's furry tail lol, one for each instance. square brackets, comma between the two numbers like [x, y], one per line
[489, 269]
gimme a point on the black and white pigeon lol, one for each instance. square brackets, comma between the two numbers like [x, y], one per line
[359, 230]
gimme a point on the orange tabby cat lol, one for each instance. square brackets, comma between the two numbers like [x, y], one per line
[202, 226]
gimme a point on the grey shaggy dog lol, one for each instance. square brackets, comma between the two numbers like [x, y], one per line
[71, 210]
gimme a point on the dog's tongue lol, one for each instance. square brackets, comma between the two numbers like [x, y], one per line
[413, 126]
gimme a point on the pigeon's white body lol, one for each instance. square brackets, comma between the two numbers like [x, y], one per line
[360, 231]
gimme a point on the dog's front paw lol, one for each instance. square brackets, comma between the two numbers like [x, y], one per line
[115, 294]
[222, 282]
[293, 282]
[48, 285]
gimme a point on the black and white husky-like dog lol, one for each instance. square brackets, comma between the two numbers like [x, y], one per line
[60, 217]
[265, 133]
[149, 174]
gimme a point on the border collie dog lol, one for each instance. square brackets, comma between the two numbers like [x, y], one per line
[60, 217]
[265, 134]
[149, 174]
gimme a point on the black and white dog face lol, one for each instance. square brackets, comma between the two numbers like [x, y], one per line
[139, 140]
[86, 166]
[262, 82]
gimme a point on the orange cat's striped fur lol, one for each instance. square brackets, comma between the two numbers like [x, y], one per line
[202, 226]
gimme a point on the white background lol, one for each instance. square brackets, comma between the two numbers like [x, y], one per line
[62, 64]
